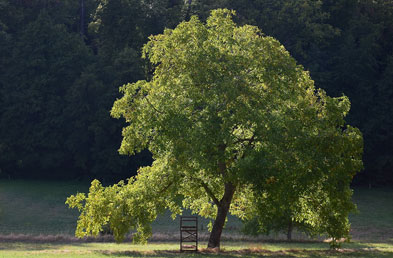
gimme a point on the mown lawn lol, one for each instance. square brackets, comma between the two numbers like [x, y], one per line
[37, 207]
[229, 249]
[374, 220]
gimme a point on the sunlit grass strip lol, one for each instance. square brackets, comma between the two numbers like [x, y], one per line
[171, 249]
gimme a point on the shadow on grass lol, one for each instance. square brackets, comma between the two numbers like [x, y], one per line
[25, 247]
[293, 250]
[366, 252]
[163, 253]
[22, 246]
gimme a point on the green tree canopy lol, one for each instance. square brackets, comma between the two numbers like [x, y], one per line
[230, 119]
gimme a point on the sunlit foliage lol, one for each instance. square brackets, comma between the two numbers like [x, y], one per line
[234, 124]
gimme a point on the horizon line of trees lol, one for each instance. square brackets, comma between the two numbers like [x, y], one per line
[62, 62]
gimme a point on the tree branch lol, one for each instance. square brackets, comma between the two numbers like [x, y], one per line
[153, 106]
[166, 187]
[249, 140]
[207, 189]
[222, 166]
[210, 193]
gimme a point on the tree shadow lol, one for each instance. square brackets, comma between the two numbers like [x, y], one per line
[15, 246]
[167, 253]
[33, 246]
[356, 249]
[249, 253]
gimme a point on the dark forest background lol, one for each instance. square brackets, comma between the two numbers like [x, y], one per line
[62, 62]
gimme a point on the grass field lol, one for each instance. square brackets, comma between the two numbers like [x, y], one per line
[37, 207]
[34, 222]
[374, 221]
[170, 249]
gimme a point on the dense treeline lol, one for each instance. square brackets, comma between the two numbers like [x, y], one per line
[62, 61]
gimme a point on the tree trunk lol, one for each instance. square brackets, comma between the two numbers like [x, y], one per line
[290, 229]
[188, 11]
[82, 18]
[222, 211]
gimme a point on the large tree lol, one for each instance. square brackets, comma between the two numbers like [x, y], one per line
[230, 119]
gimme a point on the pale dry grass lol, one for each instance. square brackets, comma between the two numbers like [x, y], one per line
[156, 237]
